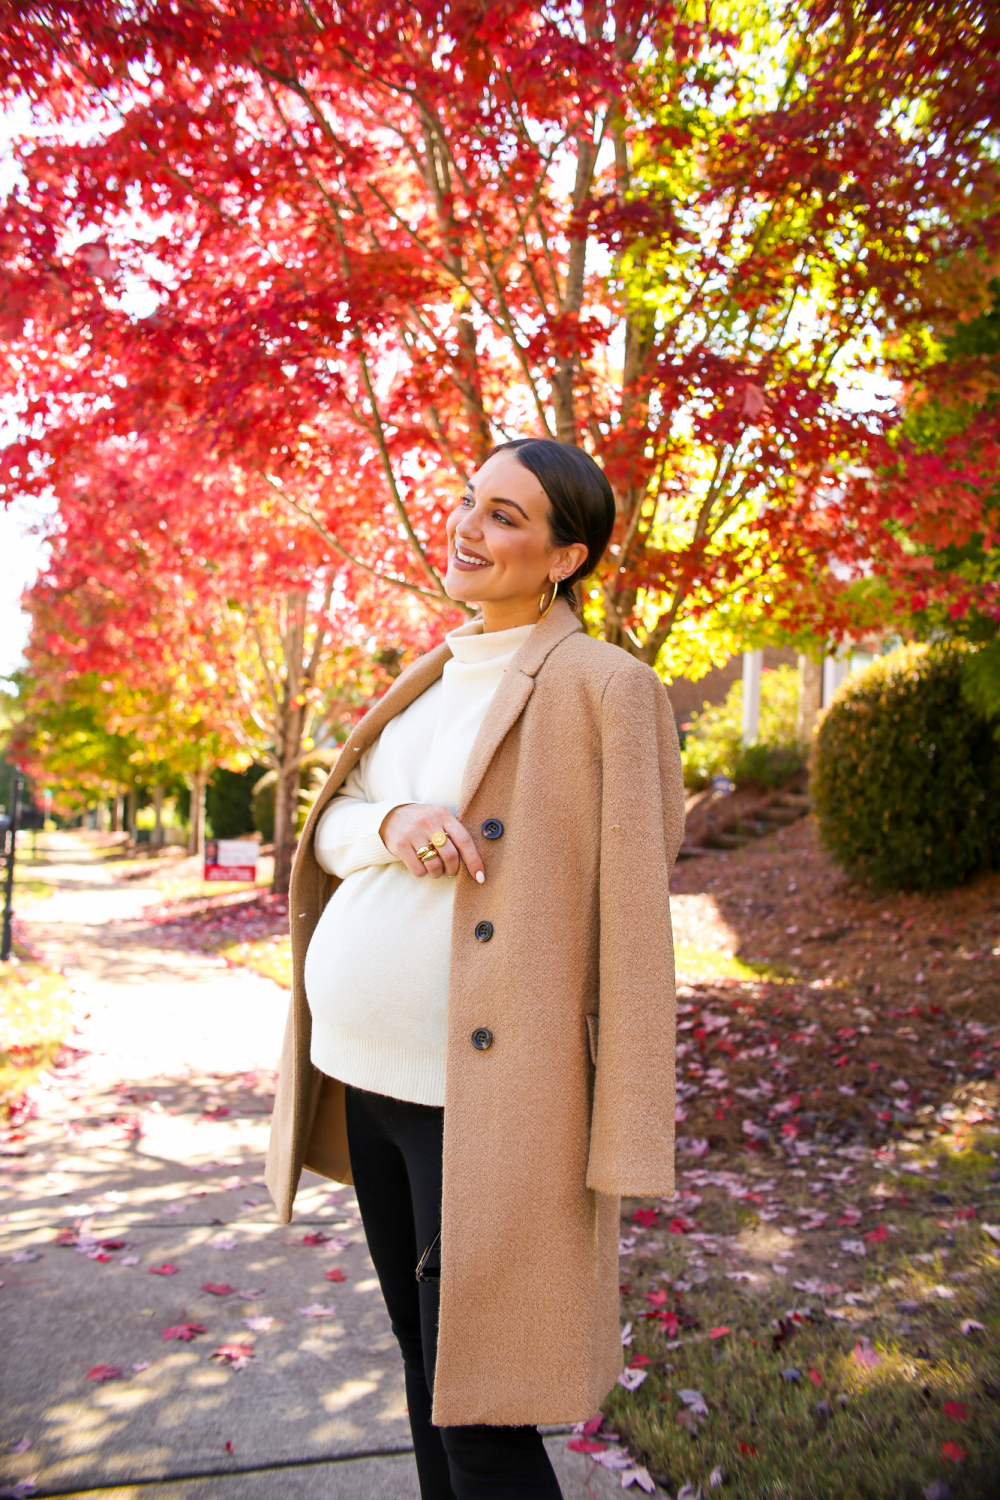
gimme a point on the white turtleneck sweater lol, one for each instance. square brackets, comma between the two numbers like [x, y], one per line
[379, 961]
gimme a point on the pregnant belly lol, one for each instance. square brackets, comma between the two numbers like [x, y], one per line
[379, 960]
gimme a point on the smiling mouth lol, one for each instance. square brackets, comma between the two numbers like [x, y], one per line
[469, 559]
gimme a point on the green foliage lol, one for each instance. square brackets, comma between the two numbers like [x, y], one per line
[229, 801]
[906, 779]
[712, 745]
[981, 680]
[312, 773]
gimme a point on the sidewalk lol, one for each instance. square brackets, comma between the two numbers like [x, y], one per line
[145, 1158]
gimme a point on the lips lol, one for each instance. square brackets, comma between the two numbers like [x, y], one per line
[468, 560]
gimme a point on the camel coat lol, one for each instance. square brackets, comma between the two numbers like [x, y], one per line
[572, 1106]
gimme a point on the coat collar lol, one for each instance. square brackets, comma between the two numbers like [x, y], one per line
[505, 708]
[507, 703]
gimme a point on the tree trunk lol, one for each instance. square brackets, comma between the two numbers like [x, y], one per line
[114, 810]
[157, 795]
[286, 807]
[131, 799]
[196, 829]
[288, 747]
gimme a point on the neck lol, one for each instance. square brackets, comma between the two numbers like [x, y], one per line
[507, 614]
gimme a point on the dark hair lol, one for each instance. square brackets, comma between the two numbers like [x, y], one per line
[581, 502]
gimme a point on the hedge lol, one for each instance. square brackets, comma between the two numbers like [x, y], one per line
[906, 774]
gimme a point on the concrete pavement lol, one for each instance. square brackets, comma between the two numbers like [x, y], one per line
[144, 1157]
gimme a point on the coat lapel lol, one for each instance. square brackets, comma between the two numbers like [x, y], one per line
[507, 703]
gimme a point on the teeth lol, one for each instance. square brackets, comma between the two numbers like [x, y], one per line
[468, 558]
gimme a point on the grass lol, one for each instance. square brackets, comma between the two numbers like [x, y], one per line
[270, 956]
[703, 963]
[842, 1428]
[35, 1020]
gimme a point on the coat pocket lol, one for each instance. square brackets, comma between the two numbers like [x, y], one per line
[593, 1025]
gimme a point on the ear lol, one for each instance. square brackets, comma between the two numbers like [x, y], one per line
[566, 560]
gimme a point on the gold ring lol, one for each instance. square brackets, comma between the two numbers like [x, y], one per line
[426, 853]
[439, 838]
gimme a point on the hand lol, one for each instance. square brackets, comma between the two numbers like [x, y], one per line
[409, 827]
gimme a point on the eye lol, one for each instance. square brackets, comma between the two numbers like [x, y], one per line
[501, 515]
[467, 501]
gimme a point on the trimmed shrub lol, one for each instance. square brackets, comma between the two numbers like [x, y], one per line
[229, 799]
[712, 742]
[906, 774]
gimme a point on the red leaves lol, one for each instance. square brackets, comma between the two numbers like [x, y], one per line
[956, 1410]
[100, 1373]
[878, 1235]
[814, 1376]
[183, 1332]
[680, 1226]
[659, 1298]
[238, 1356]
[647, 1217]
[954, 1451]
[336, 1275]
[165, 1270]
[218, 1288]
[316, 1237]
[747, 1448]
[718, 1333]
[586, 1445]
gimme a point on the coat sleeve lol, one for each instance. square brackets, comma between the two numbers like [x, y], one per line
[642, 824]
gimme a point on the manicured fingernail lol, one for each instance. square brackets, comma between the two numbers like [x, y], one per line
[480, 876]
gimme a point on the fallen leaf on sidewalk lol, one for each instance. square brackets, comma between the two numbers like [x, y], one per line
[238, 1355]
[185, 1332]
[586, 1445]
[250, 1292]
[639, 1476]
[129, 1260]
[20, 1257]
[165, 1270]
[222, 1242]
[218, 1288]
[317, 1310]
[139, 1366]
[260, 1323]
[336, 1275]
[100, 1373]
[172, 1208]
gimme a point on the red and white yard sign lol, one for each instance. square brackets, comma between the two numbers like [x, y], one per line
[231, 859]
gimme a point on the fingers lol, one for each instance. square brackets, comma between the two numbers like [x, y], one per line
[409, 827]
[462, 842]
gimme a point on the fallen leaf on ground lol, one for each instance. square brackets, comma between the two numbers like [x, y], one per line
[222, 1242]
[218, 1288]
[260, 1323]
[877, 1236]
[631, 1378]
[791, 1374]
[317, 1310]
[866, 1354]
[640, 1477]
[139, 1366]
[250, 1292]
[172, 1208]
[952, 1450]
[716, 1477]
[717, 1333]
[937, 1490]
[336, 1275]
[956, 1410]
[129, 1260]
[586, 1445]
[21, 1257]
[185, 1332]
[100, 1373]
[165, 1270]
[238, 1355]
[814, 1376]
[695, 1400]
[971, 1326]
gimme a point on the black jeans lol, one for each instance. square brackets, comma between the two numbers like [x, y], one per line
[396, 1159]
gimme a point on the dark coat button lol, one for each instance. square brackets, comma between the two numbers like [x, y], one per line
[492, 828]
[482, 1038]
[484, 931]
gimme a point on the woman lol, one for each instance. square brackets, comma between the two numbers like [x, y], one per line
[481, 1034]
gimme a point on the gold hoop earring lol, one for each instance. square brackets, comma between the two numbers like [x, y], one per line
[555, 589]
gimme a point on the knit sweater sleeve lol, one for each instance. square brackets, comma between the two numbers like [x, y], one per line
[347, 834]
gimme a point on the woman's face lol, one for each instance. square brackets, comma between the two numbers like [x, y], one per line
[500, 550]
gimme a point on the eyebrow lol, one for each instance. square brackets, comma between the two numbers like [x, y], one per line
[470, 489]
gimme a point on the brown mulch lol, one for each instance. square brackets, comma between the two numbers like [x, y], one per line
[872, 1011]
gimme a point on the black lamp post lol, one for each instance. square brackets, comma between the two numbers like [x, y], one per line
[8, 911]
